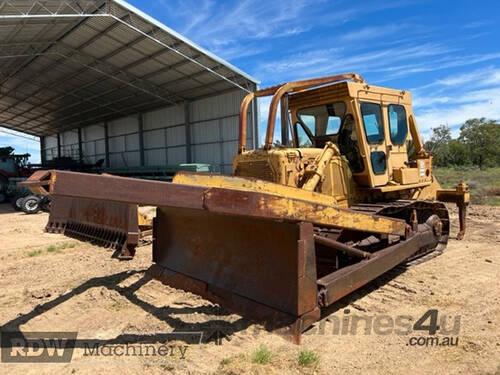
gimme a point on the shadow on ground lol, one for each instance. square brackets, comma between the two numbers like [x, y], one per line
[188, 332]
[183, 331]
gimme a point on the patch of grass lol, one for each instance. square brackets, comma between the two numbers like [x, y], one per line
[262, 355]
[484, 184]
[51, 249]
[234, 364]
[59, 247]
[308, 358]
[34, 253]
[492, 201]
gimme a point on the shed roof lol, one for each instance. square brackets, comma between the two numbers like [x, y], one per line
[65, 64]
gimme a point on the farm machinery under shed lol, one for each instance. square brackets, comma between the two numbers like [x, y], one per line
[297, 227]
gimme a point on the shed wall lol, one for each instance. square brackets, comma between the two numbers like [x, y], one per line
[201, 131]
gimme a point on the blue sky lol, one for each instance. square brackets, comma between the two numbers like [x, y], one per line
[447, 53]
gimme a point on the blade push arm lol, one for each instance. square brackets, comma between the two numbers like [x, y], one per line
[218, 200]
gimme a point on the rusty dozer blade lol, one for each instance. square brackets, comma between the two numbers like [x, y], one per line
[272, 259]
[107, 224]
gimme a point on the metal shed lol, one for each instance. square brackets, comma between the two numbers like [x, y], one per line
[102, 80]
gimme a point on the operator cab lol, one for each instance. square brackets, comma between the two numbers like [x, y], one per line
[369, 125]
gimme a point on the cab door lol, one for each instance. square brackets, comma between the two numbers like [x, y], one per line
[397, 120]
[372, 123]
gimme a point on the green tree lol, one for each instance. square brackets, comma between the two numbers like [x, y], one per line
[458, 153]
[481, 138]
[438, 145]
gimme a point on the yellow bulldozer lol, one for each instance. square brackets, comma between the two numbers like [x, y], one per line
[301, 223]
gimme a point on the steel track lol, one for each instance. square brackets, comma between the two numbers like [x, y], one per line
[402, 209]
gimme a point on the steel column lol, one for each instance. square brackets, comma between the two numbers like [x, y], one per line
[43, 157]
[221, 146]
[58, 145]
[187, 125]
[106, 143]
[80, 148]
[141, 139]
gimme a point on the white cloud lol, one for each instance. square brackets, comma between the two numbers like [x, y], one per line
[458, 114]
[477, 85]
[459, 97]
[244, 20]
[477, 78]
[475, 24]
[237, 29]
[449, 61]
[372, 32]
[234, 51]
[335, 60]
[237, 24]
[456, 98]
[388, 64]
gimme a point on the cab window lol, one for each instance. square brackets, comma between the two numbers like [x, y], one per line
[348, 145]
[397, 123]
[323, 120]
[372, 121]
[379, 163]
[302, 137]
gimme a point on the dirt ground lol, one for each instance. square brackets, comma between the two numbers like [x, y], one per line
[52, 283]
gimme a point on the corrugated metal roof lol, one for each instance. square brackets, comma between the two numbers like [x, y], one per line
[70, 63]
